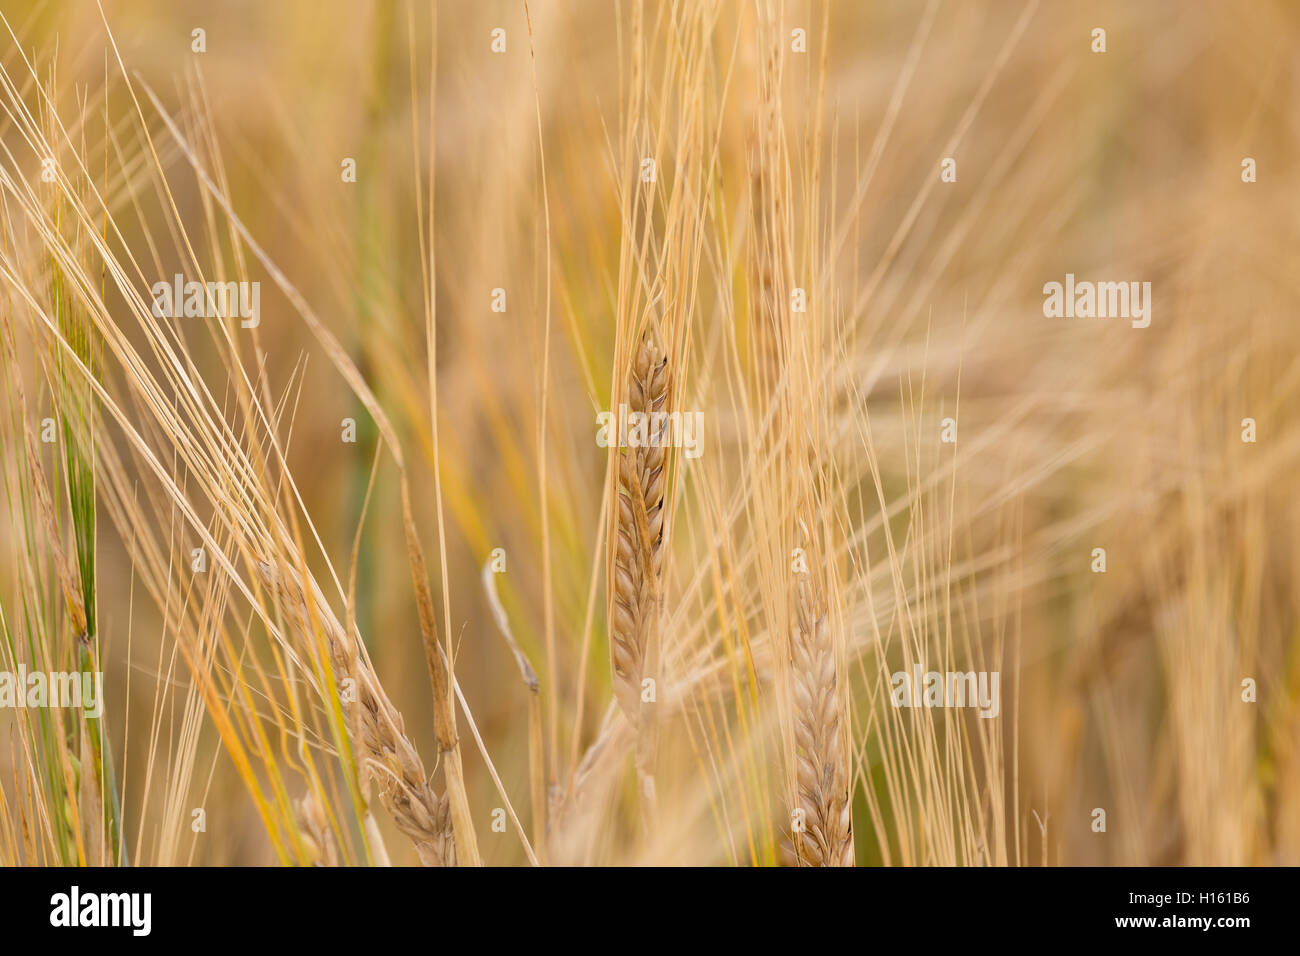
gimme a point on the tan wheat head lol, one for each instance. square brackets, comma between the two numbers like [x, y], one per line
[387, 754]
[638, 559]
[314, 830]
[822, 776]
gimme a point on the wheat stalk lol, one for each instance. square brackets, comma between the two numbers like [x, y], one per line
[638, 557]
[387, 753]
[536, 753]
[787, 359]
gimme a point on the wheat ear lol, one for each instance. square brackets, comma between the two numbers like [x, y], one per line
[314, 830]
[638, 558]
[821, 758]
[386, 753]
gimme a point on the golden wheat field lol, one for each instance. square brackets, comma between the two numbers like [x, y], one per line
[653, 432]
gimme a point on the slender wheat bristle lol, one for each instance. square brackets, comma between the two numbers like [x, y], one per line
[767, 251]
[387, 753]
[821, 770]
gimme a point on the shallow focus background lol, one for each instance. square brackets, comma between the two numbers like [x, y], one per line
[1119, 690]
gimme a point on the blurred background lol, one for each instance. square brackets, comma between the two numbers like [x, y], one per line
[1121, 690]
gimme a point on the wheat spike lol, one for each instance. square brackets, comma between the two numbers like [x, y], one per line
[821, 767]
[389, 757]
[638, 558]
[313, 827]
[570, 811]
